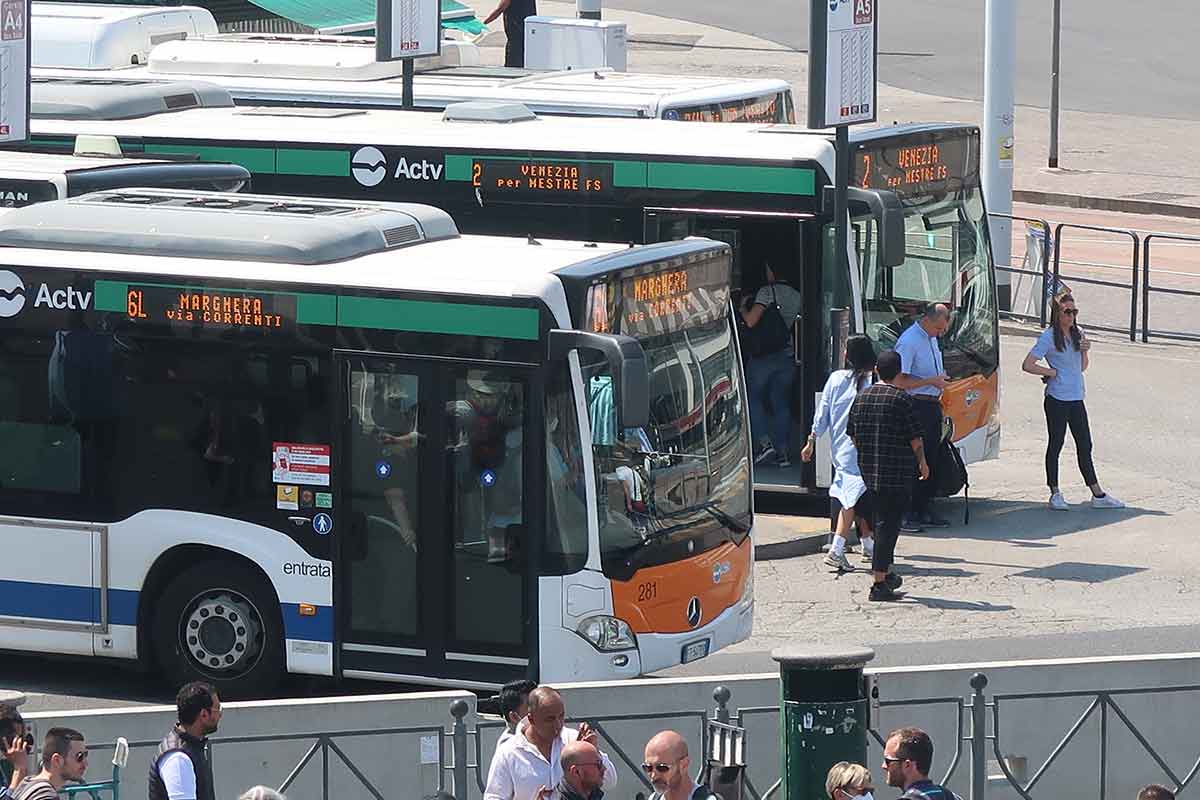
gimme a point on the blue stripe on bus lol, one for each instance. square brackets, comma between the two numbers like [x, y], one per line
[81, 604]
[63, 603]
[317, 628]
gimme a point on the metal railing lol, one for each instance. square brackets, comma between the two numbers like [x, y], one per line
[1047, 269]
[723, 737]
[1148, 289]
[1041, 276]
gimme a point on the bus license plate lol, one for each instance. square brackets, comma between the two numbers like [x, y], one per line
[694, 651]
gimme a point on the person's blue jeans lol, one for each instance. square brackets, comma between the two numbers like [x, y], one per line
[770, 379]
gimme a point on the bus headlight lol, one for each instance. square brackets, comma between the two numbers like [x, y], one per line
[607, 634]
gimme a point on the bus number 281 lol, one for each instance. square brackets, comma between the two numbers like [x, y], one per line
[647, 591]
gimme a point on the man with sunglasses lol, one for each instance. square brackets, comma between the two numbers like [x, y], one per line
[907, 758]
[666, 767]
[64, 760]
[582, 774]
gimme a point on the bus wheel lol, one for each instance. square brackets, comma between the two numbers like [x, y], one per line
[218, 623]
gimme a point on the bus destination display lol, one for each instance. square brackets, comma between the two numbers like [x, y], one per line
[543, 179]
[223, 309]
[917, 169]
[669, 299]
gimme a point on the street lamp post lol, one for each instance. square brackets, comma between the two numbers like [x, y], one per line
[1056, 31]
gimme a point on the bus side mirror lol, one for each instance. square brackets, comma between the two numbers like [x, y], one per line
[627, 363]
[888, 212]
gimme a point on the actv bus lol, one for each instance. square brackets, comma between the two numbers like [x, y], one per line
[501, 170]
[267, 434]
[132, 43]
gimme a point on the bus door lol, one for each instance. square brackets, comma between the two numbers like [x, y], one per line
[759, 240]
[433, 570]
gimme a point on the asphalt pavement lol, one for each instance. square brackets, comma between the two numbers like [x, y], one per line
[1135, 58]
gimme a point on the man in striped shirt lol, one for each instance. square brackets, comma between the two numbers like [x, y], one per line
[887, 434]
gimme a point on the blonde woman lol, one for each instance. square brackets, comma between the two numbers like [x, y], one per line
[847, 781]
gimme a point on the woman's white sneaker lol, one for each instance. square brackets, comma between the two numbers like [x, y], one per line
[1107, 501]
[1059, 503]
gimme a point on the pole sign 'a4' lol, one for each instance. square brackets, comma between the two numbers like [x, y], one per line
[406, 29]
[842, 61]
[14, 71]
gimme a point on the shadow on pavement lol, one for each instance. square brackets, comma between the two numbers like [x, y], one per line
[955, 605]
[1023, 523]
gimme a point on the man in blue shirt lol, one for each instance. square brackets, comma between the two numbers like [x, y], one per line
[924, 377]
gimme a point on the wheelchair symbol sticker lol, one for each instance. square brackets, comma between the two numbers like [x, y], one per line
[322, 523]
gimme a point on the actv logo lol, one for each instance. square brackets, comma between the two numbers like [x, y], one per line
[12, 294]
[369, 167]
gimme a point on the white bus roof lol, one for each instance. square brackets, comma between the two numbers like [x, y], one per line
[197, 234]
[342, 70]
[388, 127]
[108, 36]
[43, 166]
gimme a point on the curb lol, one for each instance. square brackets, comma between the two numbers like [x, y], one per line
[806, 545]
[1118, 204]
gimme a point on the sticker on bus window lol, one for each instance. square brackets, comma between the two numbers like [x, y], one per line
[306, 464]
[287, 498]
[306, 498]
[324, 500]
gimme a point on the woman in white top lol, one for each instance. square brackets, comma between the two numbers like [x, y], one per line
[833, 410]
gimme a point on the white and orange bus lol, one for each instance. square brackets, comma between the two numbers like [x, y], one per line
[252, 435]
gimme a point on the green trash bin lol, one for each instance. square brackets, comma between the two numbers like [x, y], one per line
[824, 715]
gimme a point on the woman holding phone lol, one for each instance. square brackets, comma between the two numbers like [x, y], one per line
[1064, 348]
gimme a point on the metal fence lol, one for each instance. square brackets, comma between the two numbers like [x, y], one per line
[1128, 296]
[979, 736]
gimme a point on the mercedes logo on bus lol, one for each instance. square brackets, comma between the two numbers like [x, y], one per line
[693, 612]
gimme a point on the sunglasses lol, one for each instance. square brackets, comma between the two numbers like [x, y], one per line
[888, 760]
[661, 769]
[1071, 312]
[81, 756]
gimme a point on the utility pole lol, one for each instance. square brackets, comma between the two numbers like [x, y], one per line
[1000, 46]
[1055, 37]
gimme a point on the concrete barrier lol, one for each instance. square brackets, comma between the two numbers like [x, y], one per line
[402, 759]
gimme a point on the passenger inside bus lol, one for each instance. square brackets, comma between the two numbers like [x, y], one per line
[770, 315]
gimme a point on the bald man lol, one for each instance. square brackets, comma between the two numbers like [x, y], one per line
[582, 773]
[530, 763]
[666, 767]
[923, 377]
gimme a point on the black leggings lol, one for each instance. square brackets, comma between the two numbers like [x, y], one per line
[1061, 414]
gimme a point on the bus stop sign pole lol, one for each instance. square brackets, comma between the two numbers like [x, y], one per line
[407, 29]
[843, 58]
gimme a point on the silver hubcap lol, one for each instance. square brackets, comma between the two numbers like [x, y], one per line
[222, 633]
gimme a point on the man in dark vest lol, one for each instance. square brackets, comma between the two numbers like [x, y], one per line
[182, 770]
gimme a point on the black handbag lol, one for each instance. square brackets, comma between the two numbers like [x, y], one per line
[952, 476]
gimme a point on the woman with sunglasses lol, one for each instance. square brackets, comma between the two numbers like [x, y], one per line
[847, 781]
[1064, 348]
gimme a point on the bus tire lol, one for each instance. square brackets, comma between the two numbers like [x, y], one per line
[219, 622]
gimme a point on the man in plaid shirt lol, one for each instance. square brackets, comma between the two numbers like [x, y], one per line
[884, 426]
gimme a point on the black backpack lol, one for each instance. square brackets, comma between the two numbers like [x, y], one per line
[952, 476]
[771, 334]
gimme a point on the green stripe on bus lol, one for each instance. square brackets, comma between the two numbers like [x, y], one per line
[111, 296]
[458, 168]
[629, 174]
[333, 163]
[422, 316]
[730, 178]
[316, 309]
[255, 159]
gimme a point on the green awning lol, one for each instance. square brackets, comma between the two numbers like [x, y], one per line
[323, 14]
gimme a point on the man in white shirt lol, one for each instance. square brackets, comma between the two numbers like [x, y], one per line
[667, 768]
[530, 761]
[514, 707]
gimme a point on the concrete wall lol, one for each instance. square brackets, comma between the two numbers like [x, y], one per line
[630, 712]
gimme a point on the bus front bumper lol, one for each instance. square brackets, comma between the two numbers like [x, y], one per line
[663, 650]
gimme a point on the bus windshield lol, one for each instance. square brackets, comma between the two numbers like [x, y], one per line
[681, 484]
[947, 255]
